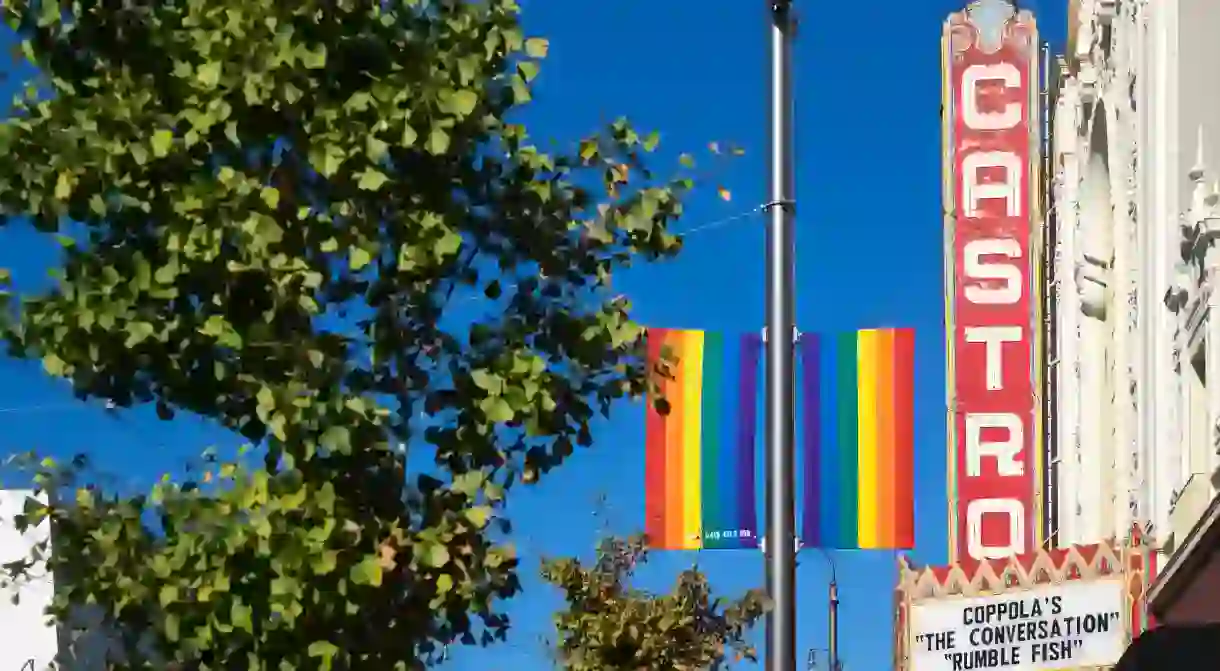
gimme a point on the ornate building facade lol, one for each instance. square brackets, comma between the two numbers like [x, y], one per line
[1133, 283]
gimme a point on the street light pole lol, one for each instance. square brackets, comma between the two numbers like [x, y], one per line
[834, 624]
[781, 329]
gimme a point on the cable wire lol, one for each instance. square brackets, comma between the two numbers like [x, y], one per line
[700, 228]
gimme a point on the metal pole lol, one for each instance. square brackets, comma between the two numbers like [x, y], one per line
[834, 625]
[781, 326]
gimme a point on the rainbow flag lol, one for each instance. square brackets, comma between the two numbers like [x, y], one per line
[859, 465]
[699, 470]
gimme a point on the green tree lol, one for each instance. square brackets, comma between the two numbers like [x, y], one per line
[273, 216]
[607, 625]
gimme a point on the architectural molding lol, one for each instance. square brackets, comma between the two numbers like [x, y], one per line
[1136, 316]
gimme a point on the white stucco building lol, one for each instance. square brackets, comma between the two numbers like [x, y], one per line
[1133, 244]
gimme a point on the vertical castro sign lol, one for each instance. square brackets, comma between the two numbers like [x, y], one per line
[991, 152]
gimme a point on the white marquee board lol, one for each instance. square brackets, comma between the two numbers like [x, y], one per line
[28, 641]
[1065, 626]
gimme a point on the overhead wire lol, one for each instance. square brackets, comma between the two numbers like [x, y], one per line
[700, 228]
[49, 407]
[756, 210]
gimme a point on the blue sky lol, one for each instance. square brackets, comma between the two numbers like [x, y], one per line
[869, 254]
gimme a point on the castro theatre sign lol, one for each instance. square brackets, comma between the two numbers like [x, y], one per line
[991, 86]
[1070, 625]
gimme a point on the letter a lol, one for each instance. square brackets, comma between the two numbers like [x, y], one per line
[1009, 189]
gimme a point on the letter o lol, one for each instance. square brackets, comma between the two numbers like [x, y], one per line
[1013, 509]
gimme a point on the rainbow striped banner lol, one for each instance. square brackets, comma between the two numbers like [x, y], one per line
[859, 448]
[699, 472]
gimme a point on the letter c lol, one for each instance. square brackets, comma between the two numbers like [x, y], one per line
[976, 119]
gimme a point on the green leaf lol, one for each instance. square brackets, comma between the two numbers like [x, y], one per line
[326, 650]
[284, 586]
[208, 74]
[521, 90]
[324, 562]
[162, 141]
[63, 186]
[497, 409]
[359, 258]
[462, 103]
[469, 483]
[528, 70]
[315, 59]
[138, 332]
[266, 402]
[367, 572]
[435, 555]
[376, 148]
[327, 159]
[50, 14]
[487, 381]
[588, 149]
[172, 624]
[372, 179]
[138, 153]
[444, 583]
[409, 136]
[438, 141]
[323, 649]
[270, 196]
[537, 47]
[337, 439]
[449, 244]
[240, 616]
[478, 515]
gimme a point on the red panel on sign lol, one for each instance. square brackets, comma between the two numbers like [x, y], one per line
[992, 78]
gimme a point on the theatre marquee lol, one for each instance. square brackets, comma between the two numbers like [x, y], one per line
[1052, 609]
[1070, 625]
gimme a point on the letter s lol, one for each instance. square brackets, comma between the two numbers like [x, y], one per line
[977, 269]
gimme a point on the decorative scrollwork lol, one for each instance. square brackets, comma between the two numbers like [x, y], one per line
[991, 18]
[990, 25]
[961, 36]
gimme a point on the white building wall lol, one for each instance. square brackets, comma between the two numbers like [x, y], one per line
[1098, 257]
[1136, 151]
[1157, 84]
[1065, 211]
